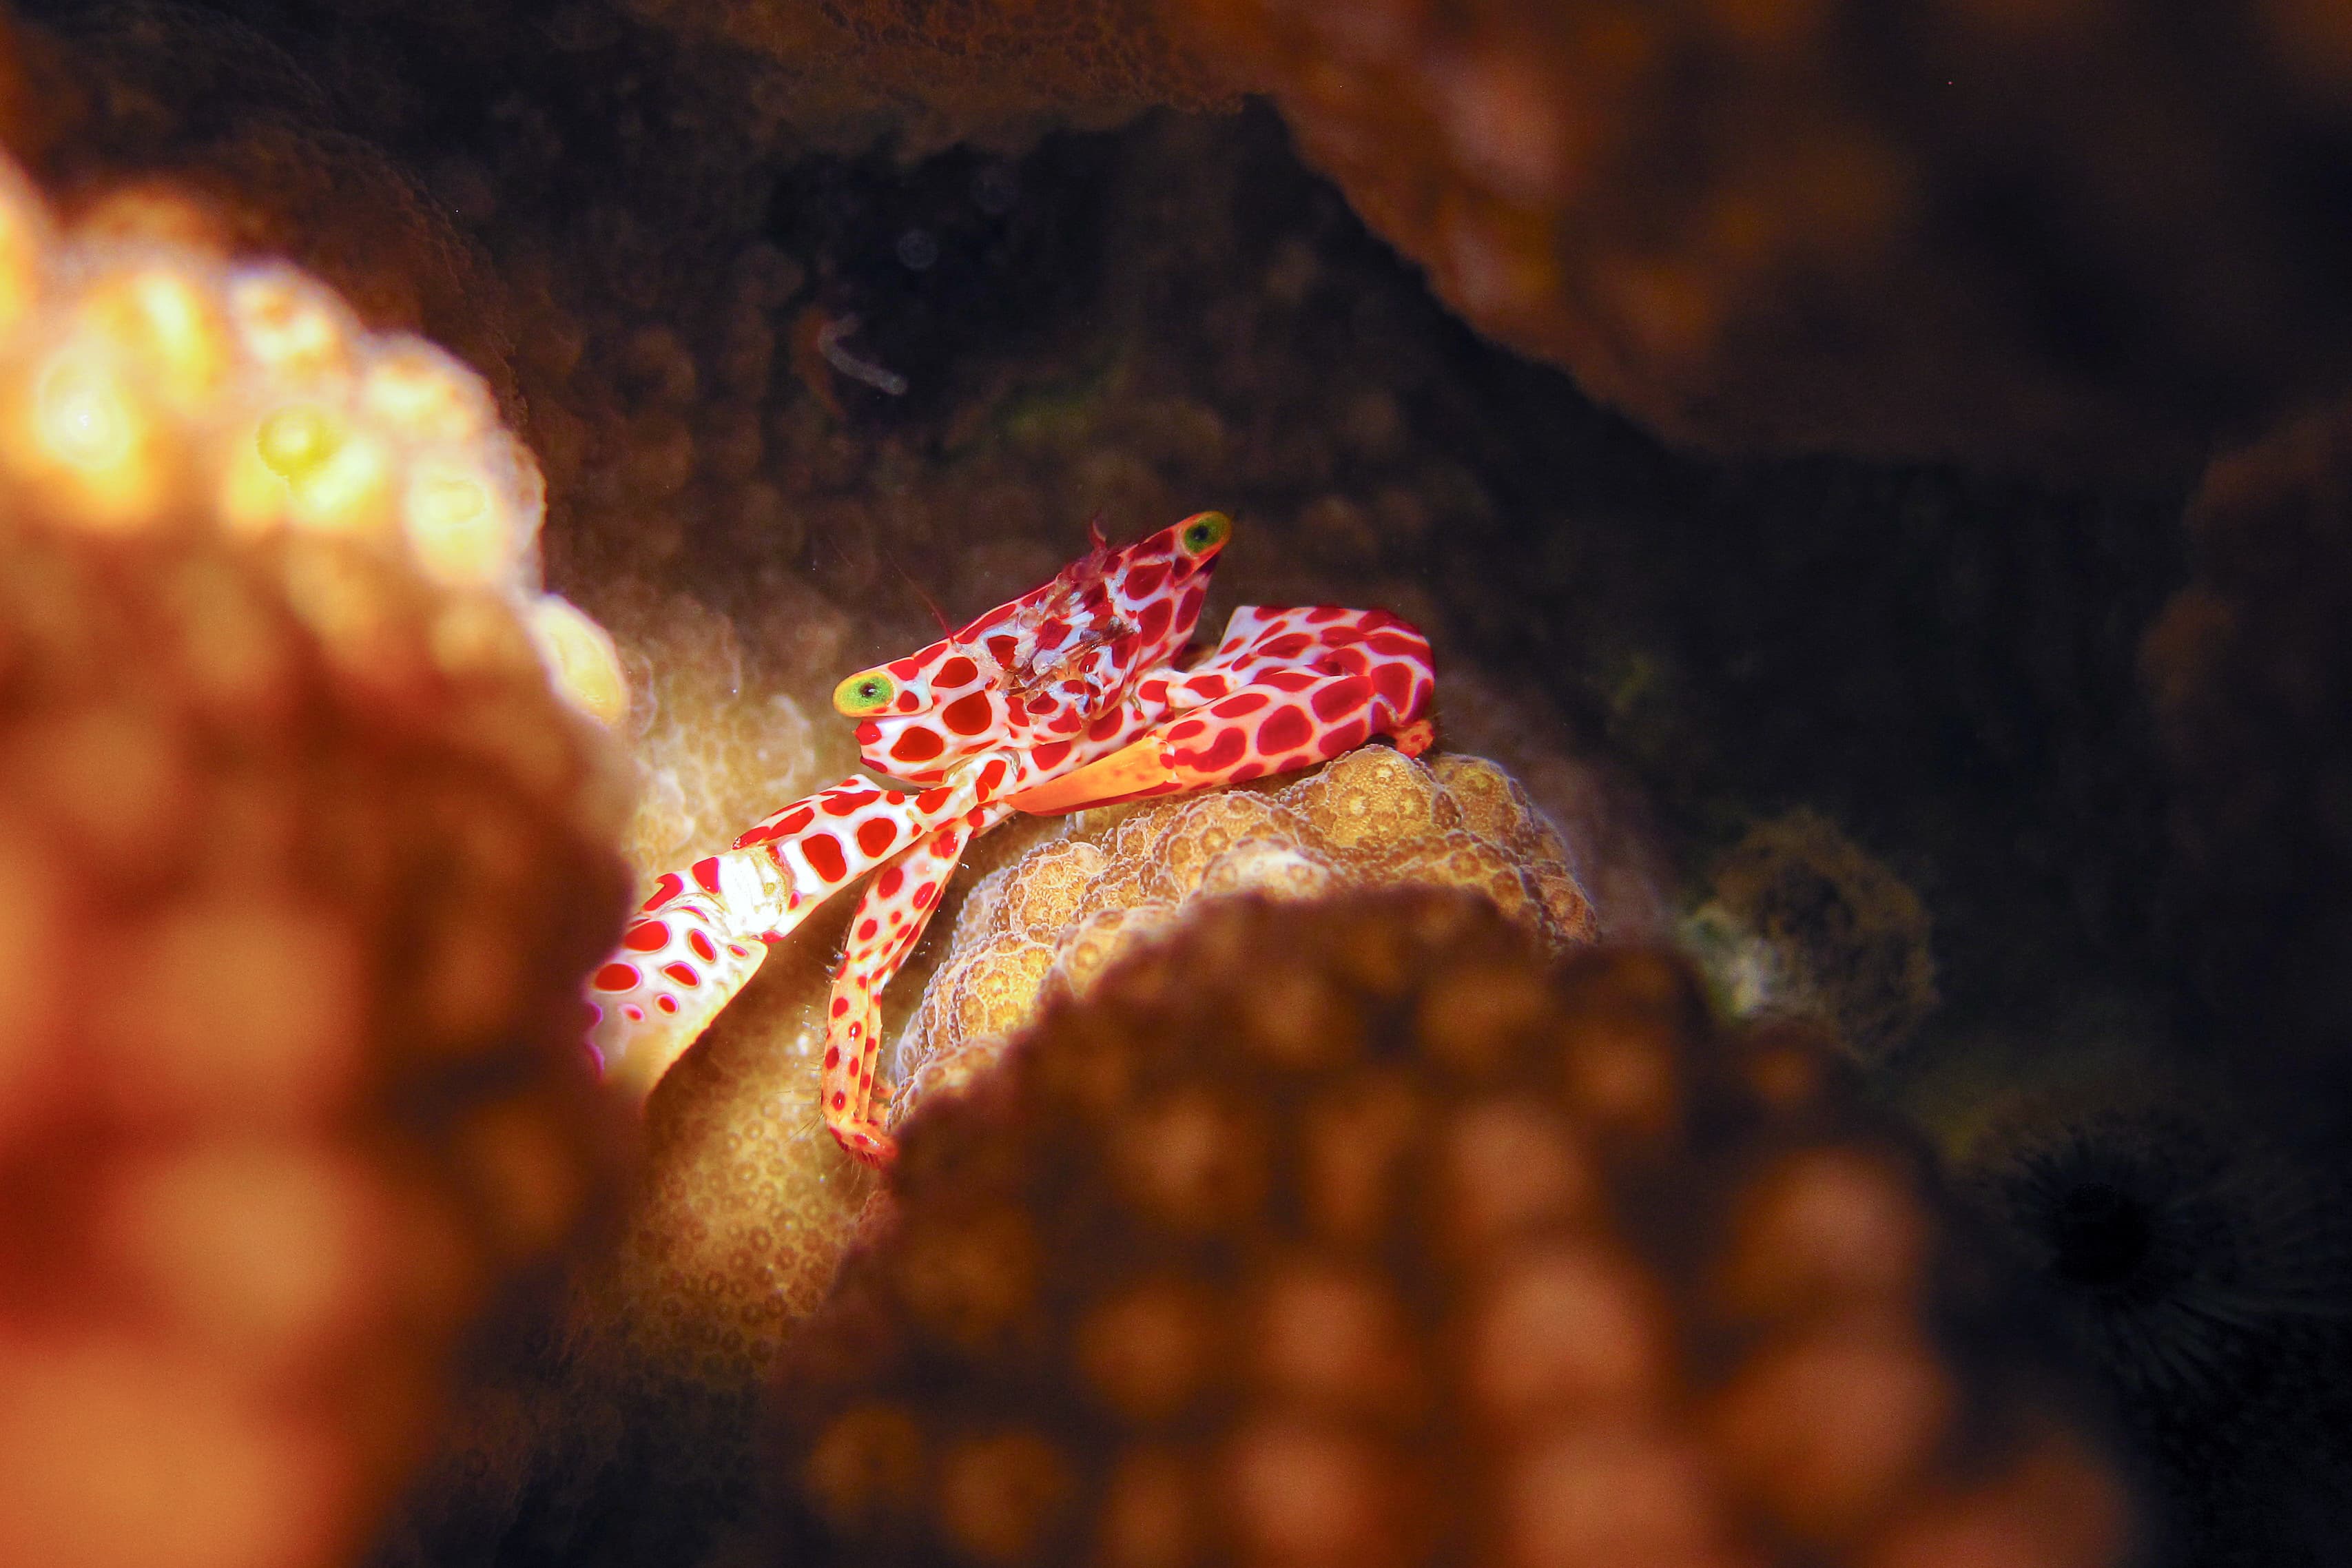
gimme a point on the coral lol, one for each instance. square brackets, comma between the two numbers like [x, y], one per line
[2044, 234]
[2199, 1268]
[2250, 673]
[1348, 1233]
[1053, 920]
[1801, 921]
[302, 861]
[929, 75]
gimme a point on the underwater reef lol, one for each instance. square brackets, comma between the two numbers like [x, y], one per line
[303, 850]
[1871, 478]
[1348, 1234]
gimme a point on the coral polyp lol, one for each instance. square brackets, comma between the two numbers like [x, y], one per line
[302, 859]
[1350, 1232]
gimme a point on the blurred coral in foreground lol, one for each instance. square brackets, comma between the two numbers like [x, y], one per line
[2037, 233]
[301, 860]
[1346, 1234]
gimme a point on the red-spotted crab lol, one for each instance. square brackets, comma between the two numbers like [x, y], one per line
[1083, 692]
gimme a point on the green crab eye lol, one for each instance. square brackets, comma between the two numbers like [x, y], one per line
[1203, 534]
[870, 691]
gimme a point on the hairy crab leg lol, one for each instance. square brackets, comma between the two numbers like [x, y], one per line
[890, 918]
[703, 931]
[1287, 689]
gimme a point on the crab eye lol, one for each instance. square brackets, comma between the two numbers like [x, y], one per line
[869, 692]
[1203, 534]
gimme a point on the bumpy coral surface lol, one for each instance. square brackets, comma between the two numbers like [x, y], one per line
[1804, 921]
[1053, 920]
[2250, 671]
[1350, 1234]
[301, 860]
[932, 75]
[2031, 233]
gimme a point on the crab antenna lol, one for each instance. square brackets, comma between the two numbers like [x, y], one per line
[928, 602]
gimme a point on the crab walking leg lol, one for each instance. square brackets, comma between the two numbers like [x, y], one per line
[1287, 689]
[890, 916]
[702, 933]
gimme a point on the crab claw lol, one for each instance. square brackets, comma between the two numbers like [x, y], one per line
[1138, 769]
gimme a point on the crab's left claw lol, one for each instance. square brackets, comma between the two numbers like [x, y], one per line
[1140, 768]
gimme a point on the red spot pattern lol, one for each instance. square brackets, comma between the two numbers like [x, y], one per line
[706, 873]
[1050, 755]
[1394, 683]
[904, 668]
[875, 835]
[684, 974]
[925, 894]
[956, 672]
[844, 805]
[616, 977]
[1224, 751]
[665, 1002]
[646, 936]
[833, 1053]
[866, 931]
[825, 857]
[890, 880]
[840, 1005]
[1144, 581]
[1340, 696]
[702, 948]
[1241, 705]
[1003, 649]
[1104, 728]
[930, 800]
[920, 744]
[868, 732]
[666, 886]
[990, 776]
[970, 715]
[784, 827]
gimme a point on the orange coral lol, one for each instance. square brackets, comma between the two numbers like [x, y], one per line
[1488, 1265]
[2035, 233]
[301, 860]
[934, 74]
[1054, 919]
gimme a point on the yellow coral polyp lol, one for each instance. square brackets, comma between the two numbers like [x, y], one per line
[351, 492]
[296, 440]
[84, 419]
[142, 379]
[581, 659]
[83, 426]
[290, 325]
[426, 397]
[161, 321]
[457, 526]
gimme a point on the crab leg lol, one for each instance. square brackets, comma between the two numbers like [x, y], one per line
[703, 931]
[890, 916]
[1287, 689]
